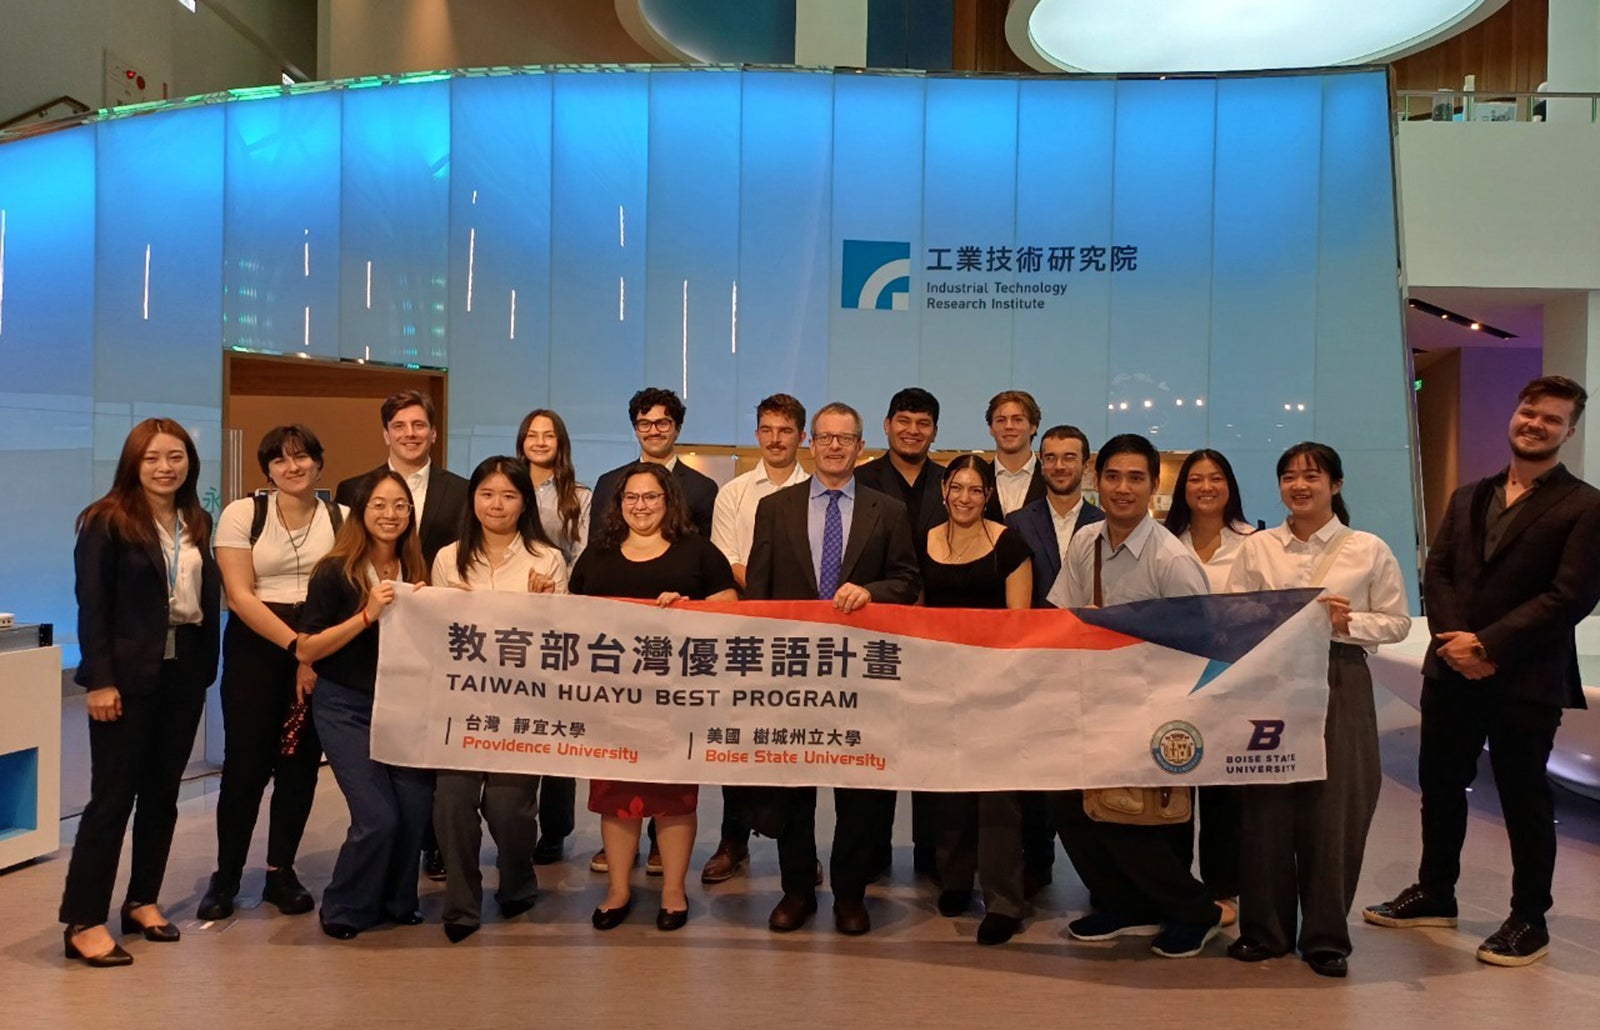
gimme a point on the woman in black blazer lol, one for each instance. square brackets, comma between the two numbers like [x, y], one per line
[148, 599]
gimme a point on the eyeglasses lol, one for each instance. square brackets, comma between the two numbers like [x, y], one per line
[381, 507]
[649, 500]
[660, 425]
[829, 439]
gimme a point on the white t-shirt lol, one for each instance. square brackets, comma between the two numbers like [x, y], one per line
[283, 561]
[509, 576]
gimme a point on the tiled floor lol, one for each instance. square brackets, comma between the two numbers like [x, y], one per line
[916, 968]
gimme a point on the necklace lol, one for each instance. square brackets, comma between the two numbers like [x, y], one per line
[295, 543]
[956, 555]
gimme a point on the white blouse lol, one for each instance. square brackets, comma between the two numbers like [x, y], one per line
[183, 590]
[509, 575]
[1365, 571]
[1221, 563]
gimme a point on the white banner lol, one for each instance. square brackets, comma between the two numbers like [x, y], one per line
[1222, 689]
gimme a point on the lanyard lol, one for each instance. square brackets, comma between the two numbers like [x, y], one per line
[177, 553]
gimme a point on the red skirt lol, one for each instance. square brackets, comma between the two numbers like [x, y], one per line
[625, 799]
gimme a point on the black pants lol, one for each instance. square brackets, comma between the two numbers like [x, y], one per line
[1221, 814]
[257, 691]
[1134, 871]
[138, 760]
[1457, 718]
[557, 798]
[790, 815]
[980, 834]
[1038, 830]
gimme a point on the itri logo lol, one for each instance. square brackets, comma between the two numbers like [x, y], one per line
[876, 274]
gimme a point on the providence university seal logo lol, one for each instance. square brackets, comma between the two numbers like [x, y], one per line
[1177, 747]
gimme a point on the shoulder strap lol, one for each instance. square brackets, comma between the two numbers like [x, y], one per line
[1325, 563]
[335, 516]
[1099, 596]
[258, 522]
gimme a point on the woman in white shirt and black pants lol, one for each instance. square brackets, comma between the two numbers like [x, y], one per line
[1304, 841]
[502, 547]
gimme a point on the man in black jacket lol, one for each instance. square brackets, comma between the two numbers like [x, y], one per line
[1513, 569]
[657, 417]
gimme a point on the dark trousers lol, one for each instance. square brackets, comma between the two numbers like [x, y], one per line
[1038, 830]
[557, 799]
[1221, 814]
[790, 815]
[1304, 841]
[375, 874]
[1134, 871]
[510, 805]
[1456, 721]
[257, 691]
[136, 765]
[980, 834]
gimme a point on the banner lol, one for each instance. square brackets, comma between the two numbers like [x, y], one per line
[1223, 689]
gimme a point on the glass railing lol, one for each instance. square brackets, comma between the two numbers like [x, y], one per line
[1447, 105]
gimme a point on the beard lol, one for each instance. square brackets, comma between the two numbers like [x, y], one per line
[1524, 453]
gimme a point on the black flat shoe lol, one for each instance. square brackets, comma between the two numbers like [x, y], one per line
[458, 932]
[513, 909]
[412, 918]
[668, 921]
[1248, 949]
[284, 889]
[610, 919]
[1328, 963]
[340, 931]
[997, 929]
[115, 957]
[162, 933]
[217, 903]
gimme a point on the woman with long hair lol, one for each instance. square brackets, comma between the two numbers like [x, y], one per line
[1304, 841]
[650, 549]
[375, 553]
[266, 547]
[149, 599]
[974, 562]
[501, 547]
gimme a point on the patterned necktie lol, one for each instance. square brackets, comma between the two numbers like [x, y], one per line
[832, 546]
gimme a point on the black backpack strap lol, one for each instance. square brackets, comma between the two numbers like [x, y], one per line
[259, 521]
[335, 516]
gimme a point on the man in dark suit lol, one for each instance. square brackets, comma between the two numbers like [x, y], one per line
[1013, 418]
[829, 539]
[1047, 525]
[657, 417]
[440, 496]
[1513, 569]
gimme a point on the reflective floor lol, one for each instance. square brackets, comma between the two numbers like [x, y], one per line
[915, 968]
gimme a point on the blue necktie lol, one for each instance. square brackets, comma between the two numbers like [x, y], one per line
[832, 546]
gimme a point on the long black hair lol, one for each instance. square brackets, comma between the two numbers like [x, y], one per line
[470, 549]
[979, 464]
[1179, 516]
[1325, 459]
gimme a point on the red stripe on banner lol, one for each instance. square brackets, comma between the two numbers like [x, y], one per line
[1041, 629]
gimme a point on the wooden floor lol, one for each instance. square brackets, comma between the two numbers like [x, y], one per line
[725, 968]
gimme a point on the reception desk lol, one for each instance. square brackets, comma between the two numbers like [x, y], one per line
[30, 751]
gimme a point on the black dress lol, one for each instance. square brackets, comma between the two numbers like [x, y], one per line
[691, 566]
[980, 583]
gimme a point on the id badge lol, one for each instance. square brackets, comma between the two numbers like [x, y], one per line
[172, 644]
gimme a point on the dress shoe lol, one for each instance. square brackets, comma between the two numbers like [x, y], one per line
[954, 903]
[1328, 963]
[792, 912]
[850, 916]
[284, 889]
[549, 850]
[1248, 949]
[340, 931]
[668, 921]
[412, 918]
[164, 933]
[115, 957]
[458, 932]
[513, 909]
[611, 918]
[997, 929]
[652, 863]
[433, 865]
[725, 863]
[217, 902]
[1035, 879]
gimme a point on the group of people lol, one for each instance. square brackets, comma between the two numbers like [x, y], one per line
[1512, 570]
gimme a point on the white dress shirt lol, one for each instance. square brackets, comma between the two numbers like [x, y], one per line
[418, 482]
[1221, 563]
[1012, 487]
[509, 575]
[733, 521]
[1066, 525]
[183, 591]
[1365, 571]
[1149, 563]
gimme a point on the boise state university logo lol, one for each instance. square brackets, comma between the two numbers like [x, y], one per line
[1177, 747]
[875, 275]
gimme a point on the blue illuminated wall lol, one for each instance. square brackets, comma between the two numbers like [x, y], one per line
[1209, 261]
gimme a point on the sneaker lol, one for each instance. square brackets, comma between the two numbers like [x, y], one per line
[1183, 940]
[598, 863]
[1103, 926]
[652, 864]
[433, 865]
[1516, 943]
[725, 863]
[1414, 906]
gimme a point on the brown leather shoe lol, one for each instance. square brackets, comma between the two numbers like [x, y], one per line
[725, 863]
[792, 912]
[850, 916]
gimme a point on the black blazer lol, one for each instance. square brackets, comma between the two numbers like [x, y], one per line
[1037, 525]
[441, 516]
[1525, 600]
[878, 555]
[122, 613]
[929, 510]
[1036, 490]
[699, 492]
